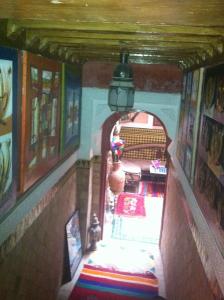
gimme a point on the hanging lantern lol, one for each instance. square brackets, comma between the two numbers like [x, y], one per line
[121, 91]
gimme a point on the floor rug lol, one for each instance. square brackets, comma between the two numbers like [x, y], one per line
[151, 189]
[130, 205]
[97, 283]
[121, 255]
[142, 229]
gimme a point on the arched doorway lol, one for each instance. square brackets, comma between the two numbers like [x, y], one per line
[106, 133]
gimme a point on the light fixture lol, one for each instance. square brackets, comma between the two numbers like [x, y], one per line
[121, 91]
[56, 1]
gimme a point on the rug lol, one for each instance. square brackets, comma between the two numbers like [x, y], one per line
[151, 189]
[142, 229]
[97, 283]
[130, 205]
[124, 256]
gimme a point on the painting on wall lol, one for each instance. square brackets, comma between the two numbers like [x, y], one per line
[193, 107]
[183, 123]
[188, 126]
[71, 108]
[180, 149]
[73, 247]
[209, 175]
[8, 134]
[40, 118]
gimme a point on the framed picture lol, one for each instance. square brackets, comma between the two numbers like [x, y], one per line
[71, 108]
[182, 132]
[8, 127]
[188, 162]
[41, 106]
[193, 107]
[73, 247]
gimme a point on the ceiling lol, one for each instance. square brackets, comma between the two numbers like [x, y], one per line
[181, 32]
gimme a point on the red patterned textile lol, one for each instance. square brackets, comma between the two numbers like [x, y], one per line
[97, 283]
[152, 189]
[131, 205]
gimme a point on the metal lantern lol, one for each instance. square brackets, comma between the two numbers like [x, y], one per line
[121, 91]
[94, 232]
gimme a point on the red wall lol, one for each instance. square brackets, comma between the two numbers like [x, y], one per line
[185, 277]
[154, 78]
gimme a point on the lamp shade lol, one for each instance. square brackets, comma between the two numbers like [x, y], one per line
[121, 91]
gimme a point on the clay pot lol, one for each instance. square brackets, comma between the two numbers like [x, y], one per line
[116, 178]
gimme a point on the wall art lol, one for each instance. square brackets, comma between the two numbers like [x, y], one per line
[73, 247]
[189, 119]
[8, 127]
[209, 179]
[71, 108]
[40, 118]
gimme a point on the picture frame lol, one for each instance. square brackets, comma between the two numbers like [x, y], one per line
[182, 133]
[188, 124]
[71, 108]
[8, 128]
[73, 247]
[188, 162]
[40, 130]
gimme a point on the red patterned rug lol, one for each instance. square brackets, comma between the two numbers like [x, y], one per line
[152, 189]
[130, 205]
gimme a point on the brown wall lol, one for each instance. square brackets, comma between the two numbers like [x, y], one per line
[184, 273]
[31, 259]
[31, 268]
[154, 78]
[96, 166]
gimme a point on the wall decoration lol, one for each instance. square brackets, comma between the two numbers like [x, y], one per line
[209, 179]
[183, 123]
[73, 247]
[40, 118]
[8, 127]
[180, 148]
[71, 108]
[188, 128]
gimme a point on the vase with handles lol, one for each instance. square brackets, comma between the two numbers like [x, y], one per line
[116, 178]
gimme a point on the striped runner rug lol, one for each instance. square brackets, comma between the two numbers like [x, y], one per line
[97, 283]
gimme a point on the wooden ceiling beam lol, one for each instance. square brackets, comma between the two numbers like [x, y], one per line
[126, 36]
[132, 46]
[120, 27]
[182, 45]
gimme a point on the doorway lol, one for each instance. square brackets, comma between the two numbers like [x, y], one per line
[136, 214]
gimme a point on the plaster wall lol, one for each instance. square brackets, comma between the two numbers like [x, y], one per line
[95, 111]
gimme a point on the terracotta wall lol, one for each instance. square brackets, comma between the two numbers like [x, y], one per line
[154, 78]
[31, 260]
[184, 273]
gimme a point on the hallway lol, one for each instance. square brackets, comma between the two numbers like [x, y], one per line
[125, 256]
[69, 70]
[130, 242]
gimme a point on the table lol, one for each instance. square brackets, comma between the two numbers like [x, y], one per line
[132, 177]
[155, 174]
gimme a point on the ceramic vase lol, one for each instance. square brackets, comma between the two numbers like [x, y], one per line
[116, 178]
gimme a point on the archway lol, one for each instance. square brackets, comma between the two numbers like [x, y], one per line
[105, 147]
